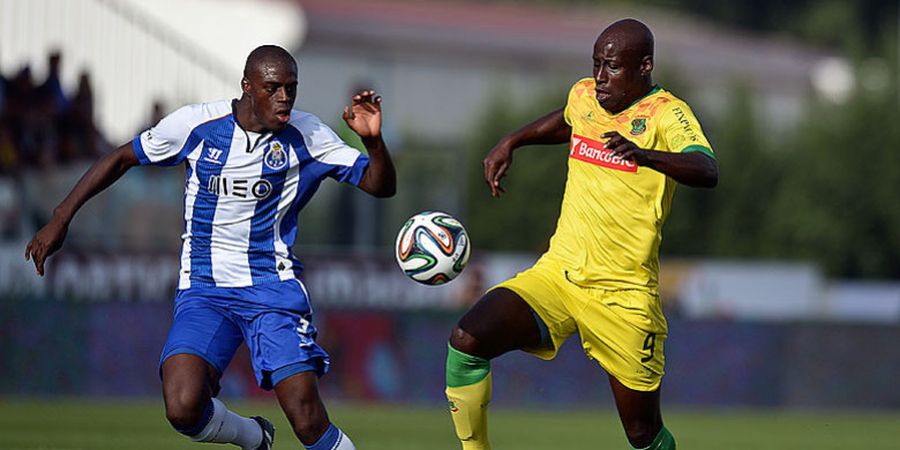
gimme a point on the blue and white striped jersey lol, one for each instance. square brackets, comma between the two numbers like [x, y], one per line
[244, 189]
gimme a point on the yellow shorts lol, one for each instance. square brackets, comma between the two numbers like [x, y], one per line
[624, 330]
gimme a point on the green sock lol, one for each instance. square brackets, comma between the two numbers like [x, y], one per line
[664, 441]
[468, 395]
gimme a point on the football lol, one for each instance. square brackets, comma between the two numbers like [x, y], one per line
[432, 248]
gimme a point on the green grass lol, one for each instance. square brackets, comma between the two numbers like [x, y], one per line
[113, 425]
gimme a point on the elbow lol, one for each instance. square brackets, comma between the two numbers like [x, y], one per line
[710, 176]
[707, 177]
[382, 190]
[385, 192]
[380, 183]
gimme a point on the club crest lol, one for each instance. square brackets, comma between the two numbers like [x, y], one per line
[638, 126]
[276, 158]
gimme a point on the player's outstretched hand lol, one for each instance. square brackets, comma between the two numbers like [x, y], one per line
[46, 242]
[363, 116]
[624, 148]
[496, 163]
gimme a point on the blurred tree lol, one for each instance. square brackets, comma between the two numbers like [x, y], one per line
[524, 218]
[727, 221]
[850, 25]
[838, 201]
[834, 23]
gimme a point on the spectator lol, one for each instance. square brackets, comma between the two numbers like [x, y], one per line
[50, 92]
[82, 139]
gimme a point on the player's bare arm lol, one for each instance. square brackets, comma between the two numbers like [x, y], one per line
[363, 116]
[101, 175]
[691, 169]
[547, 130]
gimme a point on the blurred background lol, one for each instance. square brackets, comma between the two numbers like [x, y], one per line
[781, 286]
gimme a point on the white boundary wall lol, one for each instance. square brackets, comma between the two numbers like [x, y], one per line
[176, 51]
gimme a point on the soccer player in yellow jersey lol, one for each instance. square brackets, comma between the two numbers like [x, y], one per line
[630, 143]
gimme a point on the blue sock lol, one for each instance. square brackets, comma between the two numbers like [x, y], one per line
[328, 439]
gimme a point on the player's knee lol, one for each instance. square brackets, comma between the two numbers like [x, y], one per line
[184, 410]
[464, 342]
[641, 434]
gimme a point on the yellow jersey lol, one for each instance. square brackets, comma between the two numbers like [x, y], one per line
[610, 223]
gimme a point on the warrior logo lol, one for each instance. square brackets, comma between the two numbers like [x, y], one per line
[213, 155]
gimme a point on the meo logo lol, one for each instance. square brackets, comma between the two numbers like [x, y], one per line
[594, 152]
[238, 187]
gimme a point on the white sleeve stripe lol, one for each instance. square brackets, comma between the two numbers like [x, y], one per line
[169, 141]
[323, 144]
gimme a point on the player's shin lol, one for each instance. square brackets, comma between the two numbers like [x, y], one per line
[468, 395]
[226, 427]
[664, 441]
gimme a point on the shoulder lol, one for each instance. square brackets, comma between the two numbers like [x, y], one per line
[318, 136]
[195, 114]
[306, 122]
[583, 88]
[666, 103]
[314, 131]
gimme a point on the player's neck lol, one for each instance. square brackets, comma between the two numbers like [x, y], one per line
[646, 88]
[243, 115]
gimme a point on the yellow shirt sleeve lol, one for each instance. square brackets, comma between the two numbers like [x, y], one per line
[680, 130]
[575, 96]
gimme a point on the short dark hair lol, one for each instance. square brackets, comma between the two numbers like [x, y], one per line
[264, 53]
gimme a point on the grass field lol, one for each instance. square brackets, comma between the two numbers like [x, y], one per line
[93, 425]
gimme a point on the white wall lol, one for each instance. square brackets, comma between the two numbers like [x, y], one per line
[177, 51]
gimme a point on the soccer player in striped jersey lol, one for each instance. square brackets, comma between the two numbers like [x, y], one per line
[630, 143]
[252, 164]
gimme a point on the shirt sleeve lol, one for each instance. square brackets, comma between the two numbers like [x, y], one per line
[571, 102]
[168, 142]
[680, 130]
[344, 163]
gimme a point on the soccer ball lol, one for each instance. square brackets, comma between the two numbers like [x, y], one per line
[432, 248]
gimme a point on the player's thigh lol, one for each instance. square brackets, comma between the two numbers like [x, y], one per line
[499, 322]
[522, 313]
[625, 331]
[204, 331]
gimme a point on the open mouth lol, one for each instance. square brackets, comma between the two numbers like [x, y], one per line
[283, 116]
[602, 96]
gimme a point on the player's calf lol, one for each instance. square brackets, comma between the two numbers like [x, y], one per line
[299, 397]
[468, 394]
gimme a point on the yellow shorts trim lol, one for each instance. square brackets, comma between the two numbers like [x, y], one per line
[623, 330]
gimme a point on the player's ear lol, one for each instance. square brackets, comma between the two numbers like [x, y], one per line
[245, 85]
[646, 65]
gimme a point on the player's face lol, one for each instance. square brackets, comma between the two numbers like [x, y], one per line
[619, 73]
[272, 89]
